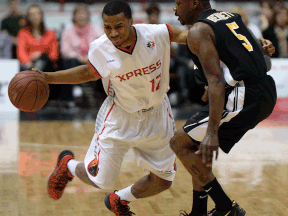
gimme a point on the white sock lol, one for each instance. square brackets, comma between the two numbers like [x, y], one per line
[126, 194]
[72, 164]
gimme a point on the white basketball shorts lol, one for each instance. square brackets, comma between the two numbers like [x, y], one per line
[147, 132]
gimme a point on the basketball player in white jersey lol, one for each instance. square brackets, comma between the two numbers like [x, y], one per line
[133, 63]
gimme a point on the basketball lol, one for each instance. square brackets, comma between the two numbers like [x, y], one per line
[28, 91]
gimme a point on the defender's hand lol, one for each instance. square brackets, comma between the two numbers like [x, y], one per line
[205, 96]
[267, 46]
[209, 144]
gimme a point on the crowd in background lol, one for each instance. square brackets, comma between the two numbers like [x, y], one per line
[25, 37]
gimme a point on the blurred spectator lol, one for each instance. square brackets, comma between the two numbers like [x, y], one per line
[37, 46]
[278, 5]
[277, 33]
[153, 12]
[62, 3]
[5, 46]
[12, 23]
[266, 15]
[75, 40]
[254, 28]
[74, 49]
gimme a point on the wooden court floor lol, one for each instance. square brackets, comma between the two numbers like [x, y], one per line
[255, 173]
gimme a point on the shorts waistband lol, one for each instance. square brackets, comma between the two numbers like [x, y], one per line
[227, 87]
[147, 110]
[155, 105]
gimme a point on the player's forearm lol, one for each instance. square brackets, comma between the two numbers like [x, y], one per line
[216, 104]
[74, 75]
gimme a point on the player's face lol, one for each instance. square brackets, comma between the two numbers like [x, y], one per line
[184, 9]
[117, 28]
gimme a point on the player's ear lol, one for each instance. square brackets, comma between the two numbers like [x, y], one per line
[194, 3]
[131, 21]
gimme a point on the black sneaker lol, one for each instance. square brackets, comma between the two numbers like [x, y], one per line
[234, 211]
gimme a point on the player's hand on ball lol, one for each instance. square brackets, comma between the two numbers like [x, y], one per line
[40, 72]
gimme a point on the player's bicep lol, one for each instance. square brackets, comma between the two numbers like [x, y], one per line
[201, 43]
[90, 72]
[93, 70]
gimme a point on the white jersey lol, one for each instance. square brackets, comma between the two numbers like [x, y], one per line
[137, 78]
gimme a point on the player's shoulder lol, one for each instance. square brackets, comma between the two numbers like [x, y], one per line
[149, 27]
[199, 31]
[101, 45]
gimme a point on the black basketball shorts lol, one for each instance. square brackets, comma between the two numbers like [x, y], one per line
[246, 104]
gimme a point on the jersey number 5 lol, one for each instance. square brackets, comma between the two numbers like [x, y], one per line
[246, 44]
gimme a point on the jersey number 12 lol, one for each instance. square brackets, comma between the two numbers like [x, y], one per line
[232, 26]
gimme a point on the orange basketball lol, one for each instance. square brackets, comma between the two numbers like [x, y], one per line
[28, 91]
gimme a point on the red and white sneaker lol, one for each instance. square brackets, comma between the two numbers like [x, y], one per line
[117, 206]
[60, 177]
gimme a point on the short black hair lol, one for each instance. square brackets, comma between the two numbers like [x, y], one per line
[153, 8]
[116, 7]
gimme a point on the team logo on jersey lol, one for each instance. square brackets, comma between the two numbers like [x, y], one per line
[151, 44]
[112, 60]
[93, 167]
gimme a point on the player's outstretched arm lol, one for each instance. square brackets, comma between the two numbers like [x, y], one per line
[179, 36]
[74, 75]
[202, 42]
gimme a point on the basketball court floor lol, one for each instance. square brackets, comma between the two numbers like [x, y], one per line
[255, 173]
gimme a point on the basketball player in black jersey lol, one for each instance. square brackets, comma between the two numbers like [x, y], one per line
[238, 99]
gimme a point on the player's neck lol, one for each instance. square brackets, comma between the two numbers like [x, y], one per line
[130, 40]
[198, 14]
[204, 9]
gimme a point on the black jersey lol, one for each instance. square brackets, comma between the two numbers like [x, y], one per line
[236, 47]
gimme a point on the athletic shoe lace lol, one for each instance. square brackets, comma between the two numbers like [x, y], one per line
[183, 213]
[124, 209]
[62, 181]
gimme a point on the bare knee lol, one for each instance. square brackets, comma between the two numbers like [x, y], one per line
[180, 141]
[166, 184]
[162, 184]
[175, 141]
[83, 176]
